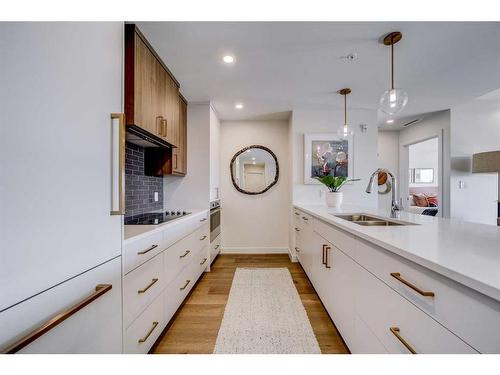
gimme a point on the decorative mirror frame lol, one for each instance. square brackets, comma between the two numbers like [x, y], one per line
[245, 150]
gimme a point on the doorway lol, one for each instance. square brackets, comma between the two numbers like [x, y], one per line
[255, 177]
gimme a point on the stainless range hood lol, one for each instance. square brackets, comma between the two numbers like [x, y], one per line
[143, 138]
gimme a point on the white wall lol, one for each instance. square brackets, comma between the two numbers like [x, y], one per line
[388, 158]
[193, 190]
[255, 223]
[214, 155]
[475, 127]
[437, 125]
[425, 155]
[365, 153]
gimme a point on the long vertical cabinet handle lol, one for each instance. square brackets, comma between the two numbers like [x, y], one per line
[117, 163]
[164, 127]
[323, 255]
[159, 125]
[327, 249]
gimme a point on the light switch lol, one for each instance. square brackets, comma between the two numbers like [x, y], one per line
[156, 196]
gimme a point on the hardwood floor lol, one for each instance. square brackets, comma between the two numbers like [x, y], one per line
[195, 326]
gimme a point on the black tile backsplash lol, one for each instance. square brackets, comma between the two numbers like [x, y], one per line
[139, 188]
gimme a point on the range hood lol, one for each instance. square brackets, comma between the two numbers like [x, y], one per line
[143, 138]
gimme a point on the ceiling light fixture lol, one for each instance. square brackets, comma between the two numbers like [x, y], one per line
[389, 121]
[228, 59]
[345, 131]
[238, 106]
[393, 100]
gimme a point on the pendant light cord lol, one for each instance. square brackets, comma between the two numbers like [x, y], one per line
[345, 109]
[392, 64]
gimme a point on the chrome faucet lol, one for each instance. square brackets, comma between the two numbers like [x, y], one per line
[395, 206]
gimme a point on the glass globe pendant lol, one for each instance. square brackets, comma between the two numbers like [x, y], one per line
[393, 100]
[345, 131]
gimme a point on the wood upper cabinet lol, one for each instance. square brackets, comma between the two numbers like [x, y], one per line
[151, 92]
[179, 159]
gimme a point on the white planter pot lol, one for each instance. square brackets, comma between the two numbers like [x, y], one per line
[334, 199]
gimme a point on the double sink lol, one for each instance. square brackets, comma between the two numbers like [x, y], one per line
[369, 221]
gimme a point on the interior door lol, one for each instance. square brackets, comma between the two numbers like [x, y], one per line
[60, 82]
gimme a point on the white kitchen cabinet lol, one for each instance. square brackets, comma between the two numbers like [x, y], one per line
[215, 248]
[95, 328]
[60, 83]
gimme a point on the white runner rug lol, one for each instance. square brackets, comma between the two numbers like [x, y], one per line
[264, 315]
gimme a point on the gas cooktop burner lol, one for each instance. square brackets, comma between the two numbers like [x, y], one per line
[154, 218]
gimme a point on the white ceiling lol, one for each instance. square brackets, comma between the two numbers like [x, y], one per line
[285, 65]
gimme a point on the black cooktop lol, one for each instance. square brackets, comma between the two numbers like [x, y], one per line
[154, 218]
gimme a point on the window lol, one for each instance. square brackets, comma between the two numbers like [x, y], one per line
[423, 175]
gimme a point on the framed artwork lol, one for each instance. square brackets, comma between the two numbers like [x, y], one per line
[327, 154]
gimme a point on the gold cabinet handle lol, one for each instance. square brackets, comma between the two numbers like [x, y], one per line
[202, 238]
[216, 247]
[297, 249]
[296, 213]
[396, 332]
[327, 249]
[152, 247]
[159, 125]
[185, 285]
[297, 229]
[305, 218]
[164, 125]
[120, 199]
[100, 290]
[398, 277]
[185, 254]
[323, 262]
[153, 282]
[202, 220]
[204, 260]
[155, 324]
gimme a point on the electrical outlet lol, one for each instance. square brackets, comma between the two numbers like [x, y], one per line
[156, 196]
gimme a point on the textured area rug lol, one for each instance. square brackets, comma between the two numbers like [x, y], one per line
[264, 315]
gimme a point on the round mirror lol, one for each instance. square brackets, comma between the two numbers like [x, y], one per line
[254, 170]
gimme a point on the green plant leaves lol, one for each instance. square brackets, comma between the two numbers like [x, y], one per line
[335, 183]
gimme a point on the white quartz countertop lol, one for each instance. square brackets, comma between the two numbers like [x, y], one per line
[136, 231]
[466, 252]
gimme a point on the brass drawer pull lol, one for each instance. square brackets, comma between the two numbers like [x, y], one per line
[152, 247]
[155, 324]
[216, 247]
[327, 249]
[153, 282]
[202, 220]
[185, 285]
[100, 289]
[396, 332]
[297, 229]
[398, 277]
[305, 218]
[185, 254]
[323, 262]
[204, 260]
[297, 249]
[202, 238]
[296, 213]
[164, 127]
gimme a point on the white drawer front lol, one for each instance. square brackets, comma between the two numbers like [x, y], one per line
[215, 248]
[182, 253]
[337, 237]
[381, 308]
[142, 334]
[141, 287]
[177, 230]
[139, 251]
[96, 328]
[470, 315]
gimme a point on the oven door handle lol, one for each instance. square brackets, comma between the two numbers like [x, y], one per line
[214, 211]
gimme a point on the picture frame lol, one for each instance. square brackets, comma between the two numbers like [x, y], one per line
[327, 153]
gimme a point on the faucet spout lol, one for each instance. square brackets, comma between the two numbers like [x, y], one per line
[395, 206]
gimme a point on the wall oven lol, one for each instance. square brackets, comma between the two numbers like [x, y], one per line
[214, 219]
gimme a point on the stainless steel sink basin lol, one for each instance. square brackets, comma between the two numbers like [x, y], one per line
[369, 221]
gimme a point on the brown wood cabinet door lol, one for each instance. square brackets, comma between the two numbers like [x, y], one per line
[180, 153]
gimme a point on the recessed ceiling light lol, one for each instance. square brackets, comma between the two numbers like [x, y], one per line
[253, 158]
[228, 59]
[390, 121]
[238, 106]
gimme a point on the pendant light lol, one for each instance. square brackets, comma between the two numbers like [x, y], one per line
[345, 131]
[393, 100]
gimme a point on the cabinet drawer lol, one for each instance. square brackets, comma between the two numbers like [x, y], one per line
[470, 315]
[381, 308]
[183, 252]
[142, 334]
[337, 237]
[177, 230]
[141, 287]
[215, 248]
[137, 252]
[95, 328]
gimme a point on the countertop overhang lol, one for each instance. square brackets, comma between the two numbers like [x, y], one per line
[465, 252]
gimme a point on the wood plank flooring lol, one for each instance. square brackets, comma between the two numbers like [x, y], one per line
[194, 327]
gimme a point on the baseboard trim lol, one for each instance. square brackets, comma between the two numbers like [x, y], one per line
[255, 250]
[293, 257]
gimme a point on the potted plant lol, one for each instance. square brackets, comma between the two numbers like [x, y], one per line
[334, 196]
